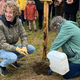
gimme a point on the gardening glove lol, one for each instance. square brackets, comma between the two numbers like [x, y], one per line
[19, 50]
[25, 50]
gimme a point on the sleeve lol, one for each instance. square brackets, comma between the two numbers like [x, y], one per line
[3, 43]
[25, 12]
[35, 12]
[23, 35]
[63, 36]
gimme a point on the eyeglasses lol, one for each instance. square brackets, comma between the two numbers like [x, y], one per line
[54, 27]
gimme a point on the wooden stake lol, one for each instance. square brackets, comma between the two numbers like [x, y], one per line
[46, 11]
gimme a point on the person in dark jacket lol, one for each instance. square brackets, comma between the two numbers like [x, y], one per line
[70, 9]
[39, 7]
[51, 7]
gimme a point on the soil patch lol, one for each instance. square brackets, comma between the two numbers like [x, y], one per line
[41, 68]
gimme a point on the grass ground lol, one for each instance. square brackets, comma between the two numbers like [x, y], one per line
[33, 67]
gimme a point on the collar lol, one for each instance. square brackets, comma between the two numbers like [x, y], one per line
[7, 23]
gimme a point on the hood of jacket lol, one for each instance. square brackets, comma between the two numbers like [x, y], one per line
[67, 23]
[7, 23]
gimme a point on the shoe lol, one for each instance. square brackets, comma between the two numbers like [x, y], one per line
[35, 30]
[3, 71]
[15, 65]
[30, 30]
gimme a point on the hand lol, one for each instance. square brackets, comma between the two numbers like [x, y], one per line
[69, 1]
[56, 3]
[72, 1]
[19, 50]
[35, 17]
[24, 17]
[25, 50]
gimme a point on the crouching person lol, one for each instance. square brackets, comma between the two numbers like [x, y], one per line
[11, 29]
[69, 39]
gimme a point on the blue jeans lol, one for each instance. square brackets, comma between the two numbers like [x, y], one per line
[10, 57]
[74, 71]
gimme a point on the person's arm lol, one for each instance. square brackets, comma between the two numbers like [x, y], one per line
[23, 35]
[63, 36]
[3, 43]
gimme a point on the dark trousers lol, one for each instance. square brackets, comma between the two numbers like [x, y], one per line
[74, 71]
[40, 19]
[71, 16]
[22, 16]
[51, 7]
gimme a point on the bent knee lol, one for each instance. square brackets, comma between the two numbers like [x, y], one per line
[31, 49]
[13, 58]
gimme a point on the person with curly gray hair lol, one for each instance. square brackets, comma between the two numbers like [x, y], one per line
[69, 39]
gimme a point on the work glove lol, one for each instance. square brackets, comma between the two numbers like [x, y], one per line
[21, 51]
[25, 50]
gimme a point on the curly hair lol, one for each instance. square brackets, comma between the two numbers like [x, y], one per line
[14, 7]
[56, 21]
